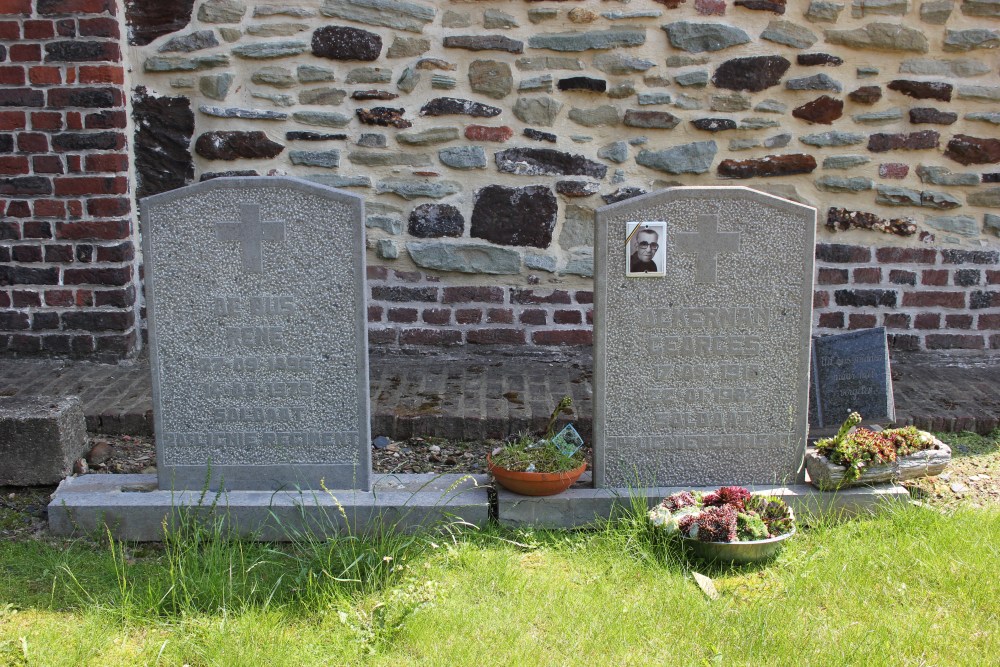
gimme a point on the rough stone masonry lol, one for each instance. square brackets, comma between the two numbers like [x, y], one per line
[484, 135]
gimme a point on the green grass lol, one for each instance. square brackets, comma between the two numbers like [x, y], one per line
[968, 443]
[910, 586]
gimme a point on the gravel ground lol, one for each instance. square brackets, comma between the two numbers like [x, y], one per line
[973, 477]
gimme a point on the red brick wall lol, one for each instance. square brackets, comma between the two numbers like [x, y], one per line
[67, 256]
[925, 297]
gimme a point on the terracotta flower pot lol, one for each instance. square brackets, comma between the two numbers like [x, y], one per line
[534, 483]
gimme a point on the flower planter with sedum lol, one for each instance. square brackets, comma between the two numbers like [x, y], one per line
[729, 524]
[859, 456]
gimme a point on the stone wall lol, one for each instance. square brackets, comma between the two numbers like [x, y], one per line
[484, 135]
[67, 252]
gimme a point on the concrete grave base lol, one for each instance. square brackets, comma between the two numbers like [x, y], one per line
[40, 438]
[133, 508]
[583, 505]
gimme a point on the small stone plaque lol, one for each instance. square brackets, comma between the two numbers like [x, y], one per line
[850, 373]
[701, 375]
[255, 292]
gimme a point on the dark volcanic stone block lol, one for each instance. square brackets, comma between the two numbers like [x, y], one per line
[342, 43]
[163, 130]
[312, 136]
[373, 95]
[515, 216]
[538, 135]
[436, 220]
[444, 106]
[824, 109]
[772, 165]
[547, 162]
[882, 142]
[776, 6]
[866, 95]
[583, 83]
[926, 115]
[753, 74]
[973, 150]
[236, 144]
[818, 59]
[148, 20]
[714, 124]
[843, 219]
[383, 117]
[922, 90]
[209, 175]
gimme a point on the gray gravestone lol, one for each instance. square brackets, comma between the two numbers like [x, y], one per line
[255, 292]
[850, 372]
[701, 371]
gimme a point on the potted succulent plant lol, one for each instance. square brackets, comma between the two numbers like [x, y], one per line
[545, 466]
[729, 524]
[856, 456]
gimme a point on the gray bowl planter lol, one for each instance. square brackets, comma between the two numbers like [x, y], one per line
[738, 553]
[829, 476]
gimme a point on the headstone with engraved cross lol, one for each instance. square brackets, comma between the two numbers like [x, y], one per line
[255, 291]
[701, 376]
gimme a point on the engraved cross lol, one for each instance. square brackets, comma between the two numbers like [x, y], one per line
[707, 243]
[249, 232]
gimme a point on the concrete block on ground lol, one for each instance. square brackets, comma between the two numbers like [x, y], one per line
[583, 505]
[40, 438]
[134, 508]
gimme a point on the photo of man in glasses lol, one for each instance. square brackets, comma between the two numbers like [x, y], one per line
[643, 248]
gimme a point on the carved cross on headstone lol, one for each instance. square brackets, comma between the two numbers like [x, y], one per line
[707, 243]
[250, 231]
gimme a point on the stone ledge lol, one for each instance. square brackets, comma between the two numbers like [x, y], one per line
[582, 506]
[134, 509]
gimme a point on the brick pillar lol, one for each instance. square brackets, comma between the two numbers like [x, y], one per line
[67, 243]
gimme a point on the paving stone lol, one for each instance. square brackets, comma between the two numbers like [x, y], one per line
[416, 189]
[884, 36]
[268, 50]
[537, 110]
[585, 41]
[620, 64]
[484, 43]
[328, 159]
[601, 116]
[969, 40]
[842, 184]
[408, 47]
[432, 135]
[408, 16]
[464, 257]
[789, 34]
[246, 114]
[323, 96]
[463, 157]
[390, 158]
[704, 37]
[491, 78]
[814, 82]
[221, 11]
[693, 158]
[323, 118]
[194, 41]
[215, 86]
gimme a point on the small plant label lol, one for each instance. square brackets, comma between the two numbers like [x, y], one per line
[567, 441]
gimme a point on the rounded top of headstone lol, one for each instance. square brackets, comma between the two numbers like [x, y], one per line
[252, 183]
[708, 192]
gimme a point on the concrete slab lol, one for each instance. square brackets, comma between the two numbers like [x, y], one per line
[40, 438]
[134, 509]
[583, 505]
